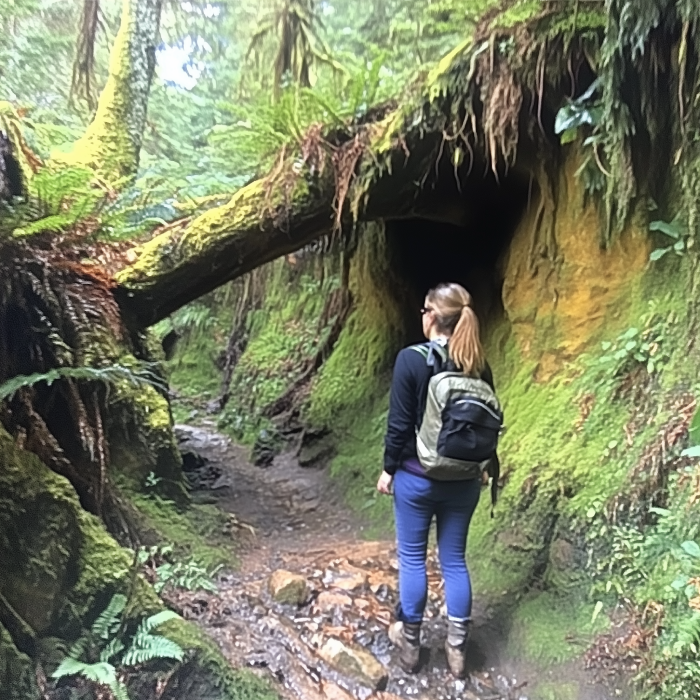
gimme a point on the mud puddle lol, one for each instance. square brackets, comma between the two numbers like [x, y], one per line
[299, 545]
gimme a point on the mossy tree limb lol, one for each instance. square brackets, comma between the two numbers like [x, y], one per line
[112, 143]
[261, 222]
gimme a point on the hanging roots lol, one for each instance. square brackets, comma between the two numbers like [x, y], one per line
[55, 313]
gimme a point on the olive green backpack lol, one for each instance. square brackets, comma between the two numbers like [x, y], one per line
[462, 421]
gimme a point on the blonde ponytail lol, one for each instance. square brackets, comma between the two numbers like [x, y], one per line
[465, 346]
[456, 317]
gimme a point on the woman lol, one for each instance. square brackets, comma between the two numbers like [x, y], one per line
[447, 316]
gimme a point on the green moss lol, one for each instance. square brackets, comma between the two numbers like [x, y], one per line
[351, 379]
[112, 142]
[285, 335]
[17, 672]
[518, 12]
[549, 630]
[555, 690]
[215, 677]
[58, 556]
[198, 531]
[167, 250]
[194, 373]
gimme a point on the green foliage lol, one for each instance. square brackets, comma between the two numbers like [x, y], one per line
[109, 657]
[298, 43]
[110, 375]
[633, 33]
[200, 533]
[583, 111]
[168, 571]
[656, 565]
[151, 481]
[285, 335]
[551, 630]
[675, 230]
[57, 201]
[634, 347]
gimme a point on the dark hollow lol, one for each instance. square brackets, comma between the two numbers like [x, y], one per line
[426, 252]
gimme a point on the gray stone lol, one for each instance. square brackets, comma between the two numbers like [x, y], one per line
[287, 587]
[351, 660]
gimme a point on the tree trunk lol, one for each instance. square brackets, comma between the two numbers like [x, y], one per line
[261, 222]
[112, 143]
[184, 263]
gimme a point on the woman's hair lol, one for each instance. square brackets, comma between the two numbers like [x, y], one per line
[455, 316]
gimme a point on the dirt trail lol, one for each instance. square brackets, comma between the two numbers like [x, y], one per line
[300, 526]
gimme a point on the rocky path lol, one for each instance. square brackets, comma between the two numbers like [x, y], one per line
[312, 600]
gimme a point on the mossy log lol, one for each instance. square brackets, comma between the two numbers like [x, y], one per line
[266, 220]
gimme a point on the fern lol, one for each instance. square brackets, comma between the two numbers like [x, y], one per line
[143, 647]
[688, 634]
[150, 623]
[110, 374]
[58, 200]
[146, 646]
[107, 623]
[112, 650]
[100, 672]
[152, 646]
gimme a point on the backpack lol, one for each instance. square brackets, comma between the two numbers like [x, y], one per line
[461, 423]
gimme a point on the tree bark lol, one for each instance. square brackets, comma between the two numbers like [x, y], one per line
[183, 264]
[112, 143]
[261, 223]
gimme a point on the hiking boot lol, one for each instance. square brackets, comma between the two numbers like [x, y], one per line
[456, 645]
[406, 636]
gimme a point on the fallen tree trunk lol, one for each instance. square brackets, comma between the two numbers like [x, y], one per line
[263, 221]
[253, 228]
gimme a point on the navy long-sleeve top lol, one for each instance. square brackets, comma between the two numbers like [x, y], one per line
[409, 391]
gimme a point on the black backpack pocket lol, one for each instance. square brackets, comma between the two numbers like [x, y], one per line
[470, 429]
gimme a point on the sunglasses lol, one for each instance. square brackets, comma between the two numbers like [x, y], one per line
[425, 310]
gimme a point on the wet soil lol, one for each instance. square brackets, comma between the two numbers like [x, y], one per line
[291, 519]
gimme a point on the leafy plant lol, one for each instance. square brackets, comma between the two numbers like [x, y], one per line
[694, 434]
[57, 201]
[103, 654]
[299, 46]
[165, 571]
[151, 481]
[111, 374]
[674, 230]
[586, 110]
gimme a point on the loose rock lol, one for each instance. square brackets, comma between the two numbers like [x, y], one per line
[288, 588]
[355, 662]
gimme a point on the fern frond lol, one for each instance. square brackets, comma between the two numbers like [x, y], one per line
[107, 622]
[77, 650]
[152, 646]
[120, 691]
[156, 620]
[69, 667]
[104, 374]
[100, 672]
[112, 650]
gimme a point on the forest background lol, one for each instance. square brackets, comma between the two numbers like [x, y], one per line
[599, 476]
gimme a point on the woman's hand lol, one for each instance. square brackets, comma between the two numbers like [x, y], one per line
[384, 483]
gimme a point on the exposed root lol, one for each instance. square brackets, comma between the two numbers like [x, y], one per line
[55, 312]
[345, 160]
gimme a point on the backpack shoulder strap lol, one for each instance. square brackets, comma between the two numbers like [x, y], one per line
[422, 349]
[436, 355]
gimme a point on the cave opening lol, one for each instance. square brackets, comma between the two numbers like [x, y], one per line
[463, 239]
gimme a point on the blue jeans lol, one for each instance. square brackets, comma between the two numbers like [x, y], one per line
[416, 501]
